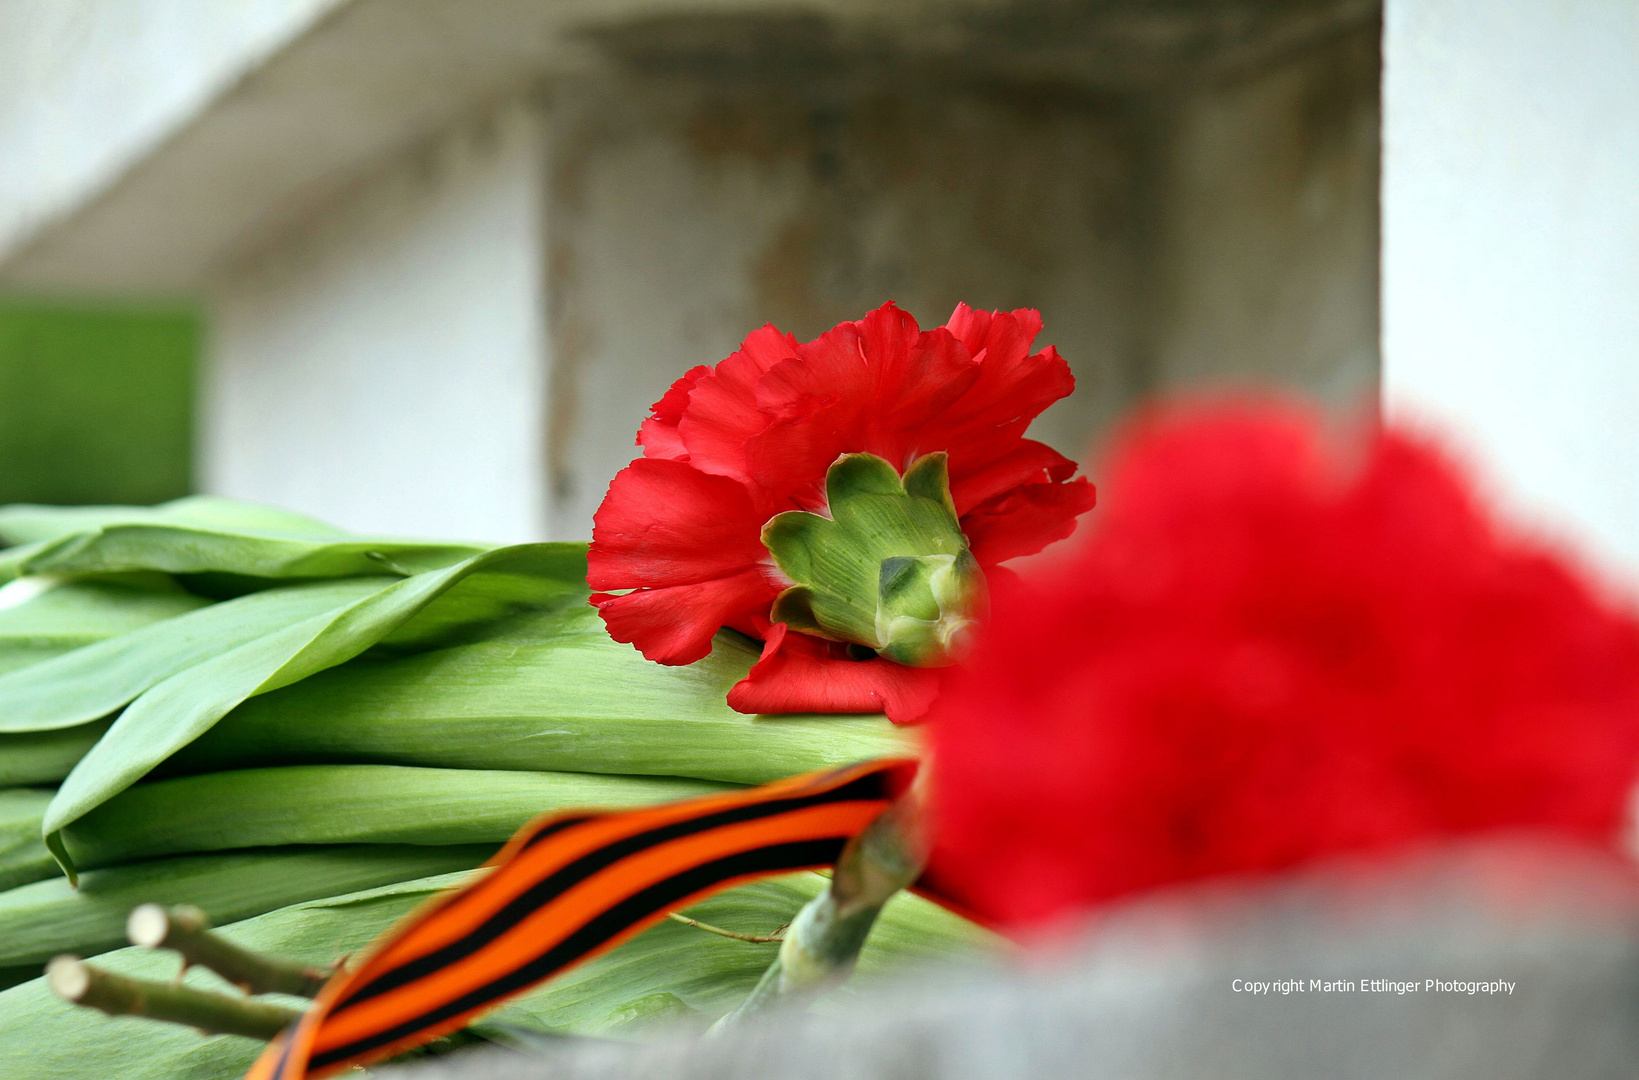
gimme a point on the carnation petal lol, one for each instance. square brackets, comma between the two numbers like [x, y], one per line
[666, 523]
[1027, 519]
[970, 326]
[799, 673]
[973, 327]
[917, 375]
[658, 435]
[1028, 462]
[866, 387]
[814, 408]
[1275, 650]
[1012, 388]
[722, 411]
[675, 625]
[1013, 384]
[661, 441]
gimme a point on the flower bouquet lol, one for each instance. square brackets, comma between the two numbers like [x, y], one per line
[432, 795]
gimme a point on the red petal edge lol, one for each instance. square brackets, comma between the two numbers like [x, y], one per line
[1026, 519]
[798, 673]
[658, 434]
[675, 625]
[1028, 462]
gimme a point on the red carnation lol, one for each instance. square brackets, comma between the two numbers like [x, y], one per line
[743, 469]
[1271, 651]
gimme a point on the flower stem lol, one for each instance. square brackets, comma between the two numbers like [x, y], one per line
[759, 939]
[73, 980]
[823, 941]
[187, 930]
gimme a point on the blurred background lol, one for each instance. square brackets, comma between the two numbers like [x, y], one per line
[420, 266]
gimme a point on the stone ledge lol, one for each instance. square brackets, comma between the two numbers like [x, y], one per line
[376, 77]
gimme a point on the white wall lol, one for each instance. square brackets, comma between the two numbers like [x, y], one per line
[87, 87]
[383, 366]
[1511, 246]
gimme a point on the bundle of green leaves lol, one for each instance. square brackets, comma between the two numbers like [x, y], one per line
[307, 732]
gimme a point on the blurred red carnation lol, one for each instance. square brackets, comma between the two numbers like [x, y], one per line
[731, 446]
[1268, 651]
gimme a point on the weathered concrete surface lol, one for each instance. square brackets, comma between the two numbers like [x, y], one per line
[195, 129]
[685, 214]
[405, 341]
[1152, 992]
[1220, 229]
[1263, 268]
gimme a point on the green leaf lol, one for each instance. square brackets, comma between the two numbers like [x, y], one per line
[176, 711]
[24, 523]
[697, 974]
[175, 549]
[22, 654]
[45, 757]
[23, 856]
[46, 616]
[93, 681]
[45, 918]
[66, 612]
[252, 545]
[341, 804]
[517, 581]
[547, 691]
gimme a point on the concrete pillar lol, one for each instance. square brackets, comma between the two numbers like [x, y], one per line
[1264, 256]
[686, 212]
[1222, 228]
[1511, 247]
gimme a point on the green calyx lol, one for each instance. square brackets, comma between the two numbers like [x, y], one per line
[889, 569]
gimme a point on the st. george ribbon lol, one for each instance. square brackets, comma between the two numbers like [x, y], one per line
[564, 889]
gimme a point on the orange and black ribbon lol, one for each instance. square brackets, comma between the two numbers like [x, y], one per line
[564, 889]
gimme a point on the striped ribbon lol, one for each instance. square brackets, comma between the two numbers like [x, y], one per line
[564, 889]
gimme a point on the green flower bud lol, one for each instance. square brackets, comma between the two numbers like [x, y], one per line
[889, 569]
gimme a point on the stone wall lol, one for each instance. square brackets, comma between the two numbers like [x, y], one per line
[1223, 229]
[452, 254]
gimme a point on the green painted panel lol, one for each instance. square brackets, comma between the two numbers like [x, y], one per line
[96, 402]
